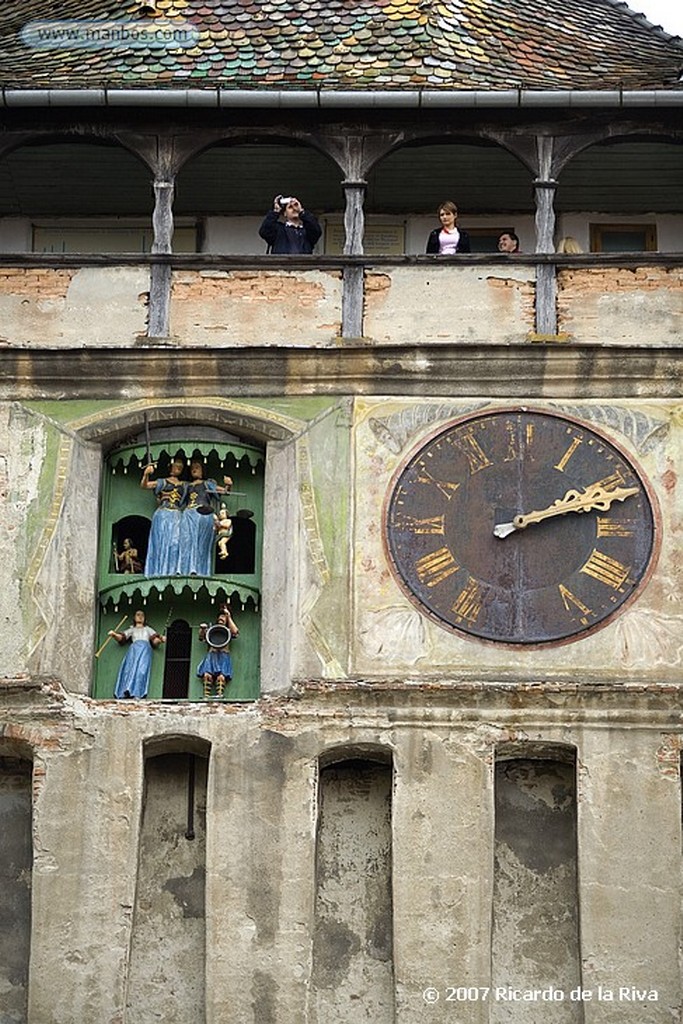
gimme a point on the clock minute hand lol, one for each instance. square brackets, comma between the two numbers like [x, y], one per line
[593, 497]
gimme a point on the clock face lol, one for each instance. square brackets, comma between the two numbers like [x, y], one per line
[591, 548]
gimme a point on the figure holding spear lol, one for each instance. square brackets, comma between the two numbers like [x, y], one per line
[133, 677]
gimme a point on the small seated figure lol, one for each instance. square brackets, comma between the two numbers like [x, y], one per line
[222, 524]
[215, 670]
[127, 560]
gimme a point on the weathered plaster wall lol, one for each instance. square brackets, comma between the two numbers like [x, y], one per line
[535, 942]
[245, 307]
[262, 808]
[90, 306]
[642, 306]
[407, 305]
[168, 951]
[21, 455]
[352, 978]
[630, 804]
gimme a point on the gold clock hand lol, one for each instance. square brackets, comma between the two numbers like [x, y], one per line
[592, 497]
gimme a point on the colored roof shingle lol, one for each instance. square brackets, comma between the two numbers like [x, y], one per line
[347, 44]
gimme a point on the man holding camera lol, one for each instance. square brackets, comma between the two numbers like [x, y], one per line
[289, 229]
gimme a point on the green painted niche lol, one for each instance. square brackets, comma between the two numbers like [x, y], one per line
[175, 606]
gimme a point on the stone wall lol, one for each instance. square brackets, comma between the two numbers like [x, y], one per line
[461, 305]
[267, 830]
[404, 305]
[65, 308]
[242, 307]
[634, 306]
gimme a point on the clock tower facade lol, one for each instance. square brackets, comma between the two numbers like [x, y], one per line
[341, 589]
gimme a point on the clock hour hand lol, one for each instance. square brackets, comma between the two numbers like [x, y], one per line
[592, 497]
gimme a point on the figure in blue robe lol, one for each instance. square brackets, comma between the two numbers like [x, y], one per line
[197, 535]
[134, 672]
[163, 547]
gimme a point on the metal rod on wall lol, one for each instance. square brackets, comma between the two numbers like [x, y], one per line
[190, 799]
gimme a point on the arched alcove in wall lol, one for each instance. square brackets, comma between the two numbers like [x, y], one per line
[535, 937]
[16, 860]
[168, 945]
[479, 175]
[230, 186]
[353, 936]
[194, 470]
[240, 177]
[72, 548]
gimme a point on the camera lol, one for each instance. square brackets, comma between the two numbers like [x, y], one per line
[284, 201]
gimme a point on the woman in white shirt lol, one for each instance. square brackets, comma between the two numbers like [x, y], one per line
[448, 239]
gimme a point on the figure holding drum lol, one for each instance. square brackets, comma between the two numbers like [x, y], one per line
[215, 670]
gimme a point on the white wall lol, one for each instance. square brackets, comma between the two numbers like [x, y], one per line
[669, 227]
[15, 234]
[239, 235]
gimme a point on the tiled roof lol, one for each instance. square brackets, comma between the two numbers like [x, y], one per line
[353, 44]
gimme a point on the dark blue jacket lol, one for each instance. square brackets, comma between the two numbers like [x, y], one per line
[283, 241]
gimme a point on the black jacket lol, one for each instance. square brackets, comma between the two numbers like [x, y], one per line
[433, 241]
[283, 241]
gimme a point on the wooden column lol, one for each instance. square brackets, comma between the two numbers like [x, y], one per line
[546, 281]
[354, 226]
[160, 277]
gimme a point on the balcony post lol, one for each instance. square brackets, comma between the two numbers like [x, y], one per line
[353, 287]
[546, 279]
[160, 274]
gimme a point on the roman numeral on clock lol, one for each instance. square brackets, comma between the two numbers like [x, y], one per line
[519, 437]
[576, 441]
[447, 488]
[436, 567]
[570, 601]
[615, 479]
[614, 527]
[476, 456]
[467, 605]
[605, 569]
[431, 525]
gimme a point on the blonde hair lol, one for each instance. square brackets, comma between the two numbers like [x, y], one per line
[569, 245]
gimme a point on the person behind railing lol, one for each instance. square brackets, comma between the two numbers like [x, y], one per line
[569, 245]
[449, 238]
[288, 229]
[508, 242]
